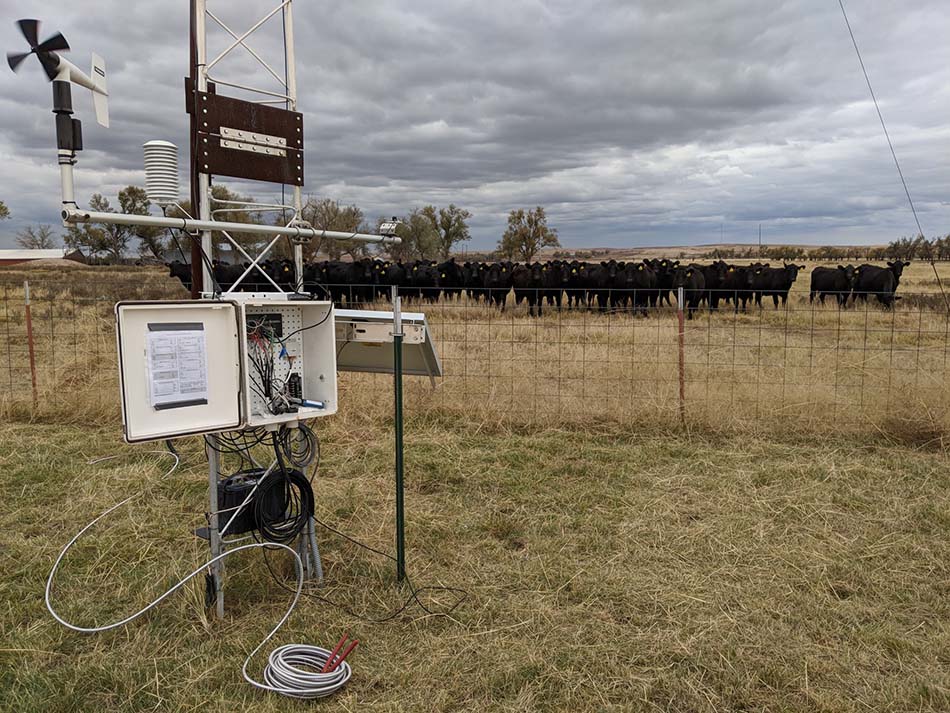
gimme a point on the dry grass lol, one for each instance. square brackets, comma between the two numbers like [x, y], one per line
[608, 569]
[614, 559]
[804, 368]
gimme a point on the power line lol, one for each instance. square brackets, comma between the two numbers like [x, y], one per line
[920, 231]
[890, 144]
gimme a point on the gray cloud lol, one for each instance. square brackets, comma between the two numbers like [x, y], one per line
[633, 122]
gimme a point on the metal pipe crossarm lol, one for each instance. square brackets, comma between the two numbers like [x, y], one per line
[71, 215]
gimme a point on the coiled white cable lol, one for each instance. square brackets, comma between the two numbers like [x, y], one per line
[283, 673]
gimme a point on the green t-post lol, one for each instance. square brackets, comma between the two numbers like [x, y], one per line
[397, 397]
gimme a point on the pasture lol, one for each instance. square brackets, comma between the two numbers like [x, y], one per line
[782, 544]
[806, 366]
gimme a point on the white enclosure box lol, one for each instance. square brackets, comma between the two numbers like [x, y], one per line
[305, 332]
[188, 368]
[179, 368]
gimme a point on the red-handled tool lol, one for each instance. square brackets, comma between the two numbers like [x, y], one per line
[331, 664]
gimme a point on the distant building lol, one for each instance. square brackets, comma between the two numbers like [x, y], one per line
[14, 257]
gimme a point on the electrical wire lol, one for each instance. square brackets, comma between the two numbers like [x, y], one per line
[237, 442]
[296, 496]
[309, 326]
[282, 674]
[890, 144]
[216, 287]
[462, 595]
[300, 446]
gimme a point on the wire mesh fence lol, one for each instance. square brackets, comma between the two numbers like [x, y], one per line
[614, 356]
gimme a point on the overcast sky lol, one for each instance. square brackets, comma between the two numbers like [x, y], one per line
[634, 122]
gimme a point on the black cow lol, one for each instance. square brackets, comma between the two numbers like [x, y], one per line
[633, 284]
[693, 282]
[664, 277]
[528, 283]
[737, 285]
[831, 281]
[313, 280]
[774, 282]
[715, 276]
[226, 275]
[554, 277]
[881, 282]
[497, 283]
[450, 278]
[577, 277]
[181, 270]
[393, 273]
[423, 278]
[600, 280]
[473, 277]
[283, 272]
[352, 282]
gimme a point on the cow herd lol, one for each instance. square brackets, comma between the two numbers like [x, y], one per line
[609, 285]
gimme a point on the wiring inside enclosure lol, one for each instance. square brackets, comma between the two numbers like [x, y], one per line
[274, 361]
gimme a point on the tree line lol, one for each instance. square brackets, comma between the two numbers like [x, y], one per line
[428, 233]
[919, 248]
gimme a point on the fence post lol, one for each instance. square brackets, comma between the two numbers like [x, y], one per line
[397, 398]
[682, 352]
[29, 340]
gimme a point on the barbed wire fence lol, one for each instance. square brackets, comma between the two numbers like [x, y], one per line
[622, 359]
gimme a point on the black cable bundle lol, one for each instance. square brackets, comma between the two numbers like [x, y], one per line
[296, 493]
[300, 446]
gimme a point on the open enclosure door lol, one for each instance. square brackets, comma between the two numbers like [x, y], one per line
[179, 368]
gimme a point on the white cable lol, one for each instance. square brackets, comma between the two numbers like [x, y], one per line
[282, 674]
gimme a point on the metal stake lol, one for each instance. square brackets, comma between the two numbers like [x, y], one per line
[397, 397]
[29, 341]
[214, 539]
[680, 299]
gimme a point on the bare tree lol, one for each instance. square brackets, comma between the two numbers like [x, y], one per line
[39, 238]
[328, 214]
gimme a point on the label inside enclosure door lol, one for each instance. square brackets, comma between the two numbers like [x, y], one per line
[177, 359]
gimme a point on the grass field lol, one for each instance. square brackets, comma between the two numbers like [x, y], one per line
[607, 569]
[757, 556]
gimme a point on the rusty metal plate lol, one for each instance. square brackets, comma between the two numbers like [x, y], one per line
[221, 160]
[220, 118]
